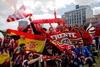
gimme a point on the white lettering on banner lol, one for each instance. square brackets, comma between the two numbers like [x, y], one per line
[63, 35]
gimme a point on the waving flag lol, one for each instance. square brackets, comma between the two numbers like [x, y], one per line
[62, 39]
[19, 14]
[32, 42]
[12, 18]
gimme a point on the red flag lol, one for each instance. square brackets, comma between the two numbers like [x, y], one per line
[12, 18]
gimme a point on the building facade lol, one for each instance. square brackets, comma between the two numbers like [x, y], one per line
[78, 16]
[94, 20]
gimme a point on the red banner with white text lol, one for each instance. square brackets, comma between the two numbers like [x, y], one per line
[65, 38]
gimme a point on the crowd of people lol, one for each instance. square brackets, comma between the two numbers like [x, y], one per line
[74, 56]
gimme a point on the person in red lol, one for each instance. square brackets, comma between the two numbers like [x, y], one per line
[57, 29]
[51, 30]
[68, 57]
[6, 40]
[50, 62]
[97, 31]
[29, 30]
[87, 38]
[0, 42]
[96, 36]
[60, 27]
[65, 27]
[20, 28]
[76, 28]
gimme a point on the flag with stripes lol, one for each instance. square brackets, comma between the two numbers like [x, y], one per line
[18, 14]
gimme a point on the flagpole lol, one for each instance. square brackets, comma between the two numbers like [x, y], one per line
[54, 16]
[55, 13]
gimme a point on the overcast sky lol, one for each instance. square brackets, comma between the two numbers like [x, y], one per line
[42, 9]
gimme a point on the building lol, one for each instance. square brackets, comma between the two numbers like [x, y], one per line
[94, 20]
[78, 16]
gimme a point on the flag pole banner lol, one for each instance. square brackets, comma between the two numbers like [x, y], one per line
[32, 42]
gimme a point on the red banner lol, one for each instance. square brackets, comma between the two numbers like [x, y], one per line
[65, 38]
[68, 34]
[57, 20]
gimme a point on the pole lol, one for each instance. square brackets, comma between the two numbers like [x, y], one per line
[55, 13]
